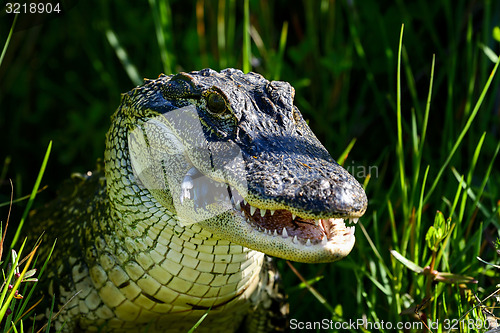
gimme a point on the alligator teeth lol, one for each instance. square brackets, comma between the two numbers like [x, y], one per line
[308, 243]
[353, 220]
[324, 240]
[316, 222]
[265, 230]
[293, 216]
[322, 226]
[252, 210]
[186, 186]
[185, 194]
[244, 202]
[262, 212]
[284, 234]
[272, 211]
[275, 233]
[295, 239]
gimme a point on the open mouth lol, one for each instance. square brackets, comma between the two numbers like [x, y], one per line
[206, 192]
[283, 223]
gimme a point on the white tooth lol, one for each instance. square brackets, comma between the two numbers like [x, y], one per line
[265, 231]
[308, 243]
[252, 210]
[351, 220]
[294, 216]
[321, 225]
[262, 212]
[324, 240]
[275, 233]
[316, 222]
[355, 220]
[284, 234]
[295, 240]
[244, 202]
[272, 211]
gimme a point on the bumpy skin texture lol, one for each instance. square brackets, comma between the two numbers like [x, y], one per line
[204, 173]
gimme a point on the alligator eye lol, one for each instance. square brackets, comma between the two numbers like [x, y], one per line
[216, 103]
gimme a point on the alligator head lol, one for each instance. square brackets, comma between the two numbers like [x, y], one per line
[230, 152]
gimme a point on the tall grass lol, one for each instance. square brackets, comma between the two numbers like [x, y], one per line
[18, 281]
[419, 110]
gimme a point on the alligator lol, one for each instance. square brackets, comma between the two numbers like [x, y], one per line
[205, 175]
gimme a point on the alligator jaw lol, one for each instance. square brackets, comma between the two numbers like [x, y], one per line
[301, 231]
[281, 233]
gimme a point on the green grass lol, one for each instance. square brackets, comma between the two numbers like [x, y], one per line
[421, 107]
[18, 280]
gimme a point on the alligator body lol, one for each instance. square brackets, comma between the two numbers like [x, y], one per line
[204, 174]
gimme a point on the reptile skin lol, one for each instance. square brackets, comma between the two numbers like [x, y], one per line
[205, 173]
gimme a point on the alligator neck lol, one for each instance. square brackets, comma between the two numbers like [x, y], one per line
[177, 269]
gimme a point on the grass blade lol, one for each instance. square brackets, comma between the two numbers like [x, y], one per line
[132, 72]
[464, 131]
[6, 45]
[247, 50]
[33, 195]
[399, 147]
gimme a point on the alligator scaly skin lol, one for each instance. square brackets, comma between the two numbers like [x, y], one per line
[204, 174]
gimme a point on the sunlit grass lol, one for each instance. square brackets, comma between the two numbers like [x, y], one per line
[19, 275]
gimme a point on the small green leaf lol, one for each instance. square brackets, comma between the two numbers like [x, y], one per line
[408, 263]
[431, 238]
[489, 53]
[30, 273]
[30, 280]
[496, 33]
[438, 232]
[454, 278]
[339, 311]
